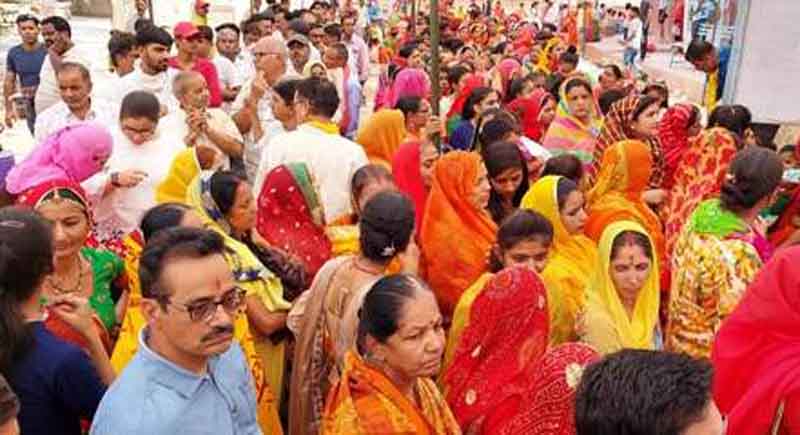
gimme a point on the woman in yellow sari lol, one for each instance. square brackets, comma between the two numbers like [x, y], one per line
[573, 256]
[161, 217]
[385, 386]
[547, 61]
[226, 205]
[382, 135]
[623, 298]
[624, 176]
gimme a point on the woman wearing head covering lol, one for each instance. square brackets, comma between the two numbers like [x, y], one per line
[535, 113]
[548, 57]
[381, 136]
[75, 152]
[679, 123]
[698, 177]
[507, 70]
[159, 218]
[624, 174]
[315, 69]
[550, 401]
[290, 216]
[472, 82]
[412, 168]
[623, 298]
[573, 257]
[632, 118]
[264, 290]
[755, 357]
[96, 274]
[720, 251]
[457, 230]
[577, 123]
[410, 82]
[499, 349]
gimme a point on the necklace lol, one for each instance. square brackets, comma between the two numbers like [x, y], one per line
[370, 270]
[62, 289]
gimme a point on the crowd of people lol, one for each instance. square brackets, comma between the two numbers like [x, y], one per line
[223, 240]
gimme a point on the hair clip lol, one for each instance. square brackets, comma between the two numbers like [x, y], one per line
[12, 224]
[389, 251]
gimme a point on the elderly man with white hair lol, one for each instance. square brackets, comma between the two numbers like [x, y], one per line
[196, 124]
[252, 110]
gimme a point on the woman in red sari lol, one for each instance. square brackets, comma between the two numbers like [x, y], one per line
[290, 216]
[756, 357]
[498, 350]
[679, 123]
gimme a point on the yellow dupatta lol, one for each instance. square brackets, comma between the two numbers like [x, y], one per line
[128, 342]
[382, 135]
[248, 272]
[573, 257]
[183, 170]
[607, 324]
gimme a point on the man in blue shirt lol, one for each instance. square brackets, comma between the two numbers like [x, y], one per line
[707, 58]
[187, 377]
[24, 61]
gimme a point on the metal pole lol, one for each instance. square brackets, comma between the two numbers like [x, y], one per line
[436, 90]
[150, 8]
[413, 23]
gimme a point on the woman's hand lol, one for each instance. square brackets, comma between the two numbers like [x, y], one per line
[130, 178]
[76, 312]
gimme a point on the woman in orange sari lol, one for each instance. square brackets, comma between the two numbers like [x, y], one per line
[385, 386]
[457, 230]
[498, 350]
[381, 136]
[702, 169]
[624, 173]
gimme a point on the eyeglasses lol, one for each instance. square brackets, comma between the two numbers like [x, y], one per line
[144, 133]
[203, 310]
[260, 54]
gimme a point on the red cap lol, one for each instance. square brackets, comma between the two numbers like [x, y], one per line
[200, 3]
[185, 29]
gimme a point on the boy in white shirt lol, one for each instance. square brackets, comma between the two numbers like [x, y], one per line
[633, 39]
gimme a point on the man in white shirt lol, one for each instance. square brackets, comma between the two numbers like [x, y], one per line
[299, 52]
[252, 110]
[193, 123]
[57, 35]
[229, 46]
[76, 105]
[151, 73]
[126, 188]
[357, 47]
[229, 79]
[633, 39]
[331, 158]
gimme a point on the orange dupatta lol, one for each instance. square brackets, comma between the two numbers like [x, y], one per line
[382, 135]
[456, 237]
[625, 171]
[366, 402]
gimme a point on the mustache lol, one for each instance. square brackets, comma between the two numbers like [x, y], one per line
[217, 332]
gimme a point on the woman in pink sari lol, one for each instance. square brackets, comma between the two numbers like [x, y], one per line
[410, 82]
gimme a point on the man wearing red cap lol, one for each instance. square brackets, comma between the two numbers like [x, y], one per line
[187, 37]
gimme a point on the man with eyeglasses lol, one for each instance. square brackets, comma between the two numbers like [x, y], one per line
[252, 111]
[126, 187]
[188, 376]
[23, 62]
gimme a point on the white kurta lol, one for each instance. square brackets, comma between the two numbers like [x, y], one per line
[119, 212]
[331, 159]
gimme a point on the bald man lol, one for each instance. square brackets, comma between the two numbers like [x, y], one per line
[194, 123]
[252, 110]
